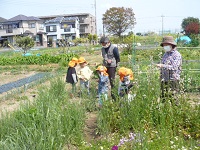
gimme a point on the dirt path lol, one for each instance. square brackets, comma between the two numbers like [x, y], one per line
[90, 131]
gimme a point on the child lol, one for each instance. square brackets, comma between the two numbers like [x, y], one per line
[102, 84]
[126, 75]
[84, 75]
[71, 76]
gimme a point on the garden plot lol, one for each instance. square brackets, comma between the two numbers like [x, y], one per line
[8, 77]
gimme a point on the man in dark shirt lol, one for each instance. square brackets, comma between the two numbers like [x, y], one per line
[111, 59]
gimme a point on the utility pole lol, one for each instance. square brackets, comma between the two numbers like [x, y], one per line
[95, 6]
[103, 30]
[162, 24]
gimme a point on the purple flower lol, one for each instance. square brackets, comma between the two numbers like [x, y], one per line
[132, 136]
[115, 147]
[121, 142]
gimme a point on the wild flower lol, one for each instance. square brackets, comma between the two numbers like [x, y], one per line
[183, 148]
[144, 95]
[176, 138]
[173, 146]
[132, 136]
[115, 147]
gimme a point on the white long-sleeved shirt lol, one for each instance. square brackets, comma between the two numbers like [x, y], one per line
[84, 73]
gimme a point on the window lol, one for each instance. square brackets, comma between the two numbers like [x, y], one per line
[41, 26]
[15, 25]
[9, 31]
[64, 26]
[31, 25]
[51, 28]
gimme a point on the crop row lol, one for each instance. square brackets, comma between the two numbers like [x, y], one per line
[33, 60]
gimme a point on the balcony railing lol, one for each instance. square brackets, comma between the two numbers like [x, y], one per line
[67, 30]
[9, 30]
[82, 30]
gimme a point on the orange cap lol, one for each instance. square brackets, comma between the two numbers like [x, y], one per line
[82, 60]
[102, 69]
[74, 59]
[73, 62]
[122, 72]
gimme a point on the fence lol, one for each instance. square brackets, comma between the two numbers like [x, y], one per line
[190, 76]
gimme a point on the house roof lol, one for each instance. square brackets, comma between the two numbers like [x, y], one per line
[40, 32]
[2, 19]
[23, 18]
[53, 16]
[28, 32]
[61, 19]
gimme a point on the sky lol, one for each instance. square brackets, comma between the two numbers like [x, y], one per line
[151, 15]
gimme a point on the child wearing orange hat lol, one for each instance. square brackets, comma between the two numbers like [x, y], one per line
[126, 75]
[71, 76]
[84, 75]
[102, 84]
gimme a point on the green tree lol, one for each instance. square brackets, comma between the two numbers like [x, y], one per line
[80, 40]
[25, 43]
[117, 20]
[92, 37]
[190, 25]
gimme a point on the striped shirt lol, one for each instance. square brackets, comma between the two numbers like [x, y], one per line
[171, 68]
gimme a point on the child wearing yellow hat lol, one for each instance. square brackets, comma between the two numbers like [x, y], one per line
[126, 75]
[102, 84]
[71, 76]
[84, 75]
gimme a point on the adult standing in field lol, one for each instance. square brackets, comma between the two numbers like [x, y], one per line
[111, 59]
[170, 68]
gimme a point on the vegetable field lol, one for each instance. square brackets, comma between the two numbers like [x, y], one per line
[54, 120]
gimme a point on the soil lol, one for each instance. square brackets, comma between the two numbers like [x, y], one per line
[90, 127]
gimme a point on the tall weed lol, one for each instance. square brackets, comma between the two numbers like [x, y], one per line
[50, 123]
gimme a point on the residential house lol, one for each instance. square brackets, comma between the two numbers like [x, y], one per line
[2, 40]
[65, 28]
[87, 22]
[22, 25]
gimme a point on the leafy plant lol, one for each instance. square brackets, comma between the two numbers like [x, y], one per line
[25, 43]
